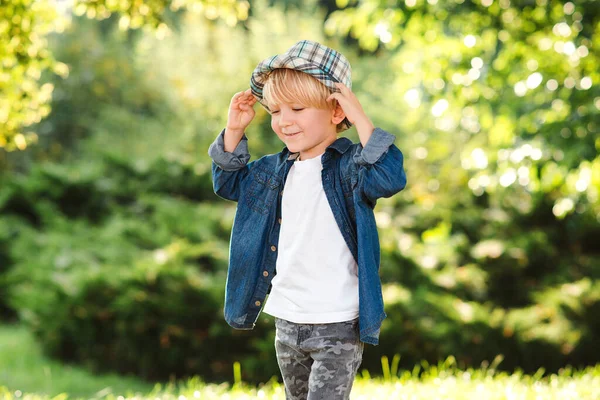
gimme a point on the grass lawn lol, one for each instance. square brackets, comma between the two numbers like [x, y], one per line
[24, 368]
[26, 374]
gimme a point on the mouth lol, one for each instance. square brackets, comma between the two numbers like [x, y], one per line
[292, 134]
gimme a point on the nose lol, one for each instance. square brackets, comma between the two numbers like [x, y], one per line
[284, 118]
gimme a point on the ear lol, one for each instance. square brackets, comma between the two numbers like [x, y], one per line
[338, 114]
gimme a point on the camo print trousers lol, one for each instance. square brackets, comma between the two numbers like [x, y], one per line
[318, 361]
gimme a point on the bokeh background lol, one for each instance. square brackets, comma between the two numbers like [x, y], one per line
[113, 246]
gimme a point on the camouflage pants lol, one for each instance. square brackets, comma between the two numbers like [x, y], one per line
[318, 361]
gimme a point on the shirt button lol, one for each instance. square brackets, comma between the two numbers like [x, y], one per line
[279, 220]
[257, 303]
[265, 273]
[273, 248]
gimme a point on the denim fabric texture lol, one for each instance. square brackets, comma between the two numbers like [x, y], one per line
[353, 179]
[318, 361]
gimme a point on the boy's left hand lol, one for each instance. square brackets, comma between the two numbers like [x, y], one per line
[352, 108]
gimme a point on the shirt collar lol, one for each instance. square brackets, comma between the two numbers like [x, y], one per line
[341, 144]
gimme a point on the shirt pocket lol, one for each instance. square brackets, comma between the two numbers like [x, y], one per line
[262, 191]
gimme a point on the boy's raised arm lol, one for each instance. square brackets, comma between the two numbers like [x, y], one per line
[240, 114]
[354, 112]
[229, 160]
[229, 151]
[381, 166]
[382, 170]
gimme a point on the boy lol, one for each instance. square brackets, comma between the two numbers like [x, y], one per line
[306, 214]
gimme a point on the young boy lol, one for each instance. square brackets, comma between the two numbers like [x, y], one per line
[304, 229]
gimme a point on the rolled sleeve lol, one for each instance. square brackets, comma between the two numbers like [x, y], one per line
[226, 160]
[378, 144]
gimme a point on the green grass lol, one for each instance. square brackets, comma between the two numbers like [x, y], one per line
[26, 374]
[24, 368]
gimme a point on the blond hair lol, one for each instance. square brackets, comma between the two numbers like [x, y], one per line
[290, 86]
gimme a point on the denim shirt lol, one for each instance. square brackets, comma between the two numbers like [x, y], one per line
[353, 179]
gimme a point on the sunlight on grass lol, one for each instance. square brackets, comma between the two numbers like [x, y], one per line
[451, 385]
[448, 384]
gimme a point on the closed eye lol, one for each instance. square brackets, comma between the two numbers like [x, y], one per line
[293, 109]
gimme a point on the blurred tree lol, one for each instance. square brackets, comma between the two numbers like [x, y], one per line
[24, 56]
[515, 83]
[24, 25]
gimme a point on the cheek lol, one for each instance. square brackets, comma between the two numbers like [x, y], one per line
[276, 129]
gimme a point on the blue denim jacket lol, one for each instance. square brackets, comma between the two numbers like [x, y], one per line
[353, 179]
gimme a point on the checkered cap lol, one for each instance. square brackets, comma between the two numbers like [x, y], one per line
[326, 65]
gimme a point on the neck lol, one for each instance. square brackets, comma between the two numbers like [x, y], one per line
[315, 151]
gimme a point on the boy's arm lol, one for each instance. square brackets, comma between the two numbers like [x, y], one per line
[229, 151]
[381, 170]
[381, 166]
[229, 168]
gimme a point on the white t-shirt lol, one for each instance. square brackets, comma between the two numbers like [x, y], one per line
[317, 277]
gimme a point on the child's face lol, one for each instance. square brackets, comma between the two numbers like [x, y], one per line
[307, 130]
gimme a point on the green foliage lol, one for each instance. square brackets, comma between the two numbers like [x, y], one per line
[515, 84]
[134, 319]
[25, 57]
[8, 230]
[490, 250]
[152, 14]
[148, 279]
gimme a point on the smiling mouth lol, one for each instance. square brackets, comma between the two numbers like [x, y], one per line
[290, 134]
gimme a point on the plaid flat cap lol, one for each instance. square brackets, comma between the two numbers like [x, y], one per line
[326, 65]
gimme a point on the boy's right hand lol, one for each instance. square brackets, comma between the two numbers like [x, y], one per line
[241, 112]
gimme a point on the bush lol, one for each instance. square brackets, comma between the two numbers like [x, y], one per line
[94, 295]
[120, 270]
[9, 227]
[156, 318]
